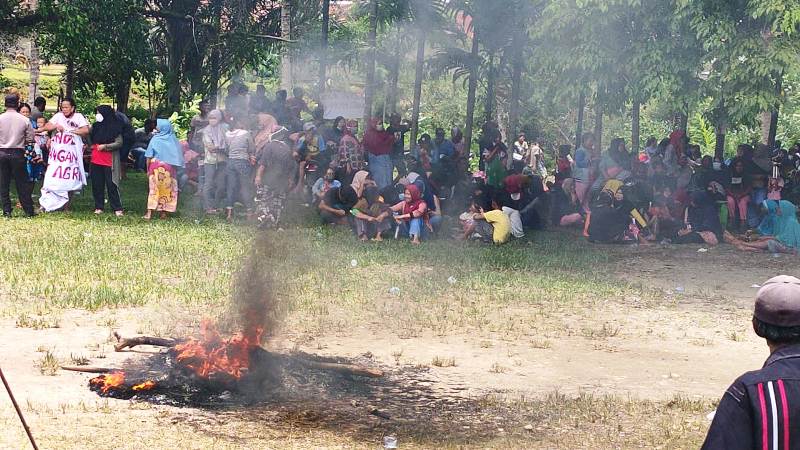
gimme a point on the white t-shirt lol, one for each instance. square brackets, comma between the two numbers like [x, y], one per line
[71, 124]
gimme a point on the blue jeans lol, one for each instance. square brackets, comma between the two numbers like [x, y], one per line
[754, 208]
[416, 227]
[380, 166]
[140, 162]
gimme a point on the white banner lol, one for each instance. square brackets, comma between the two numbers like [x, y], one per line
[65, 171]
[344, 104]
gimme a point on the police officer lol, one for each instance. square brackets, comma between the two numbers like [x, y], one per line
[761, 410]
[15, 134]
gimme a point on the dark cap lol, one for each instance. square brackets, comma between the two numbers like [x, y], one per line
[12, 101]
[778, 302]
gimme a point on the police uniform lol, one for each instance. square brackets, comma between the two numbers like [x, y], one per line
[761, 409]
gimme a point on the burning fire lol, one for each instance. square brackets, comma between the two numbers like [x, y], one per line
[116, 381]
[108, 382]
[146, 386]
[214, 356]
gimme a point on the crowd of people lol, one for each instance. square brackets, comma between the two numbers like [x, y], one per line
[259, 156]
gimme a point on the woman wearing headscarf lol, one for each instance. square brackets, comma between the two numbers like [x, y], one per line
[785, 237]
[268, 131]
[215, 147]
[378, 145]
[106, 138]
[360, 181]
[164, 158]
[412, 214]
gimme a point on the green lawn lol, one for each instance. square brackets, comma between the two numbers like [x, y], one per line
[79, 260]
[521, 292]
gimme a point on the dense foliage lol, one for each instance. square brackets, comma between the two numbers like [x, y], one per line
[716, 66]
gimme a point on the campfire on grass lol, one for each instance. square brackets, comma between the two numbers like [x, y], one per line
[209, 364]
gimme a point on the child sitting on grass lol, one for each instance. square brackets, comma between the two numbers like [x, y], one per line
[488, 226]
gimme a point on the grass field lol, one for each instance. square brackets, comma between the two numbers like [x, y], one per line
[532, 291]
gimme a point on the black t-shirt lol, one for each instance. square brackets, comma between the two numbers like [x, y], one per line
[343, 198]
[280, 166]
[398, 148]
[608, 224]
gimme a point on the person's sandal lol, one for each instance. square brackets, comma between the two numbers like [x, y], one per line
[98, 211]
[119, 213]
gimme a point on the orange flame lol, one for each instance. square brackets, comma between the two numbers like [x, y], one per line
[146, 386]
[214, 356]
[109, 381]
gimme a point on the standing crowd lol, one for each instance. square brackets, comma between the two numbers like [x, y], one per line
[262, 155]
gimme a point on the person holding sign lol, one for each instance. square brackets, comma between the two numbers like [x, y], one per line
[65, 172]
[164, 157]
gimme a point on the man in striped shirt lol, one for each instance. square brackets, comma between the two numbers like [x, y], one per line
[761, 409]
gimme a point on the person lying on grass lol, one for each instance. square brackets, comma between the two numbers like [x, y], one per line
[614, 220]
[411, 214]
[785, 237]
[491, 225]
[702, 225]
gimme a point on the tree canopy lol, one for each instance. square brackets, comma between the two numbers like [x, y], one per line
[728, 60]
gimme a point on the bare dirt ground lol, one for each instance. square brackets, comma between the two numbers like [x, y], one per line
[688, 341]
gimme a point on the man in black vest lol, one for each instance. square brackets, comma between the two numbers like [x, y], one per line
[761, 408]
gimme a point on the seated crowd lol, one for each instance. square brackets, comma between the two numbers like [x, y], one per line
[260, 156]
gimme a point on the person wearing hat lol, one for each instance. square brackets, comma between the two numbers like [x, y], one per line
[15, 134]
[760, 408]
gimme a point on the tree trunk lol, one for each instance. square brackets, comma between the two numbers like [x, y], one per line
[123, 95]
[766, 121]
[490, 80]
[579, 127]
[369, 88]
[33, 65]
[635, 122]
[323, 55]
[773, 123]
[216, 73]
[684, 122]
[471, 91]
[598, 123]
[773, 128]
[516, 93]
[418, 86]
[394, 79]
[719, 149]
[70, 78]
[286, 33]
[175, 56]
